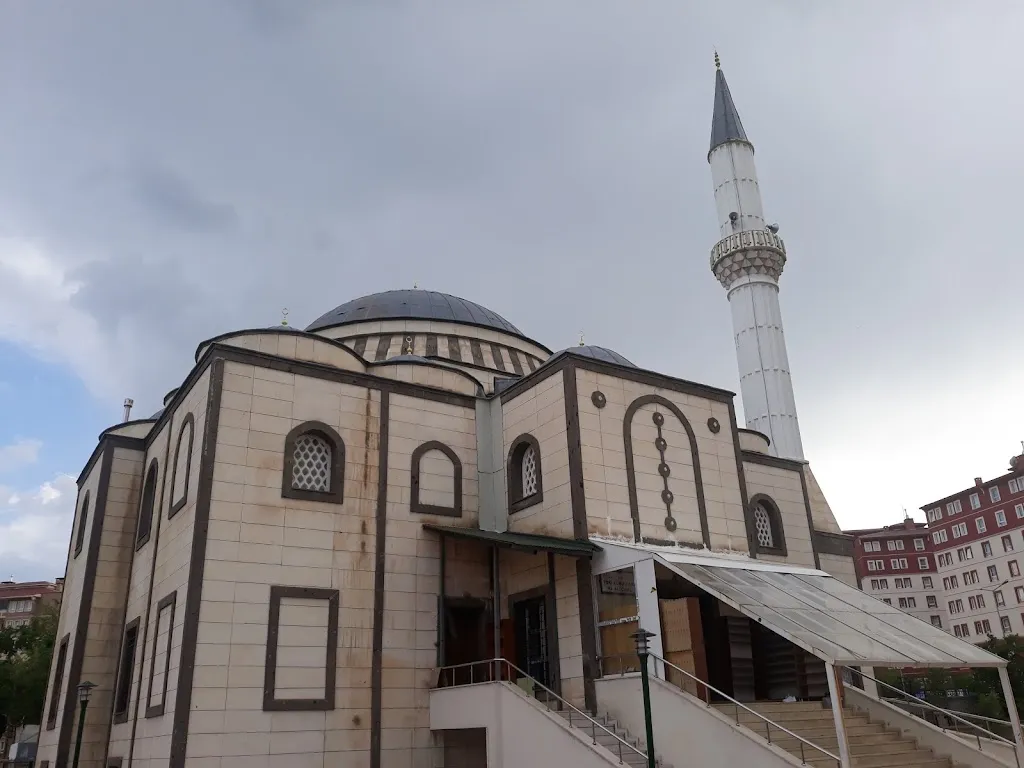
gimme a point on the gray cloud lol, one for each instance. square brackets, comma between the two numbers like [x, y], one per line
[548, 163]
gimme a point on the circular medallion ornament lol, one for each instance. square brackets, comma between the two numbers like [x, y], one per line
[598, 399]
[714, 425]
[660, 443]
[670, 523]
[667, 496]
[658, 419]
[663, 470]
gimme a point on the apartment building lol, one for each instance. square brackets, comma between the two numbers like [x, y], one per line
[895, 564]
[20, 601]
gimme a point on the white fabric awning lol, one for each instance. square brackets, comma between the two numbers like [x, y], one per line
[832, 620]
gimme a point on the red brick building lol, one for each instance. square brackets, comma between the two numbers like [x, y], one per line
[20, 601]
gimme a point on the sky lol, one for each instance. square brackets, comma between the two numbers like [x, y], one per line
[175, 169]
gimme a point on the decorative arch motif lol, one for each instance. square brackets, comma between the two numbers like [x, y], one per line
[314, 464]
[422, 508]
[145, 524]
[766, 522]
[83, 521]
[525, 478]
[663, 468]
[182, 467]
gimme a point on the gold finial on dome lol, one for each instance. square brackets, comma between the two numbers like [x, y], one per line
[718, 61]
[582, 343]
[284, 316]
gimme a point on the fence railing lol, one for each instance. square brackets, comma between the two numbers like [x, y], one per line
[502, 670]
[611, 665]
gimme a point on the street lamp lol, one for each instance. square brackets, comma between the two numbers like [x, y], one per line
[643, 650]
[84, 691]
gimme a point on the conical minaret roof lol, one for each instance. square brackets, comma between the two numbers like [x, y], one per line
[725, 124]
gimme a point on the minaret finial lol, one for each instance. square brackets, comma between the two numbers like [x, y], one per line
[582, 343]
[284, 316]
[718, 61]
[415, 285]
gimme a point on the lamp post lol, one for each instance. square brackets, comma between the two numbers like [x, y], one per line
[643, 650]
[999, 614]
[84, 691]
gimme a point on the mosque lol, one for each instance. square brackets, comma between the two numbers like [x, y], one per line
[410, 536]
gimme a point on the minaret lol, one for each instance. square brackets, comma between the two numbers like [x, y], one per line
[748, 262]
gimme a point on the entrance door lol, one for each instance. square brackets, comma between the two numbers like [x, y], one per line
[531, 626]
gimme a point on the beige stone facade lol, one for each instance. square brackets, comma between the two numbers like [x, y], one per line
[290, 551]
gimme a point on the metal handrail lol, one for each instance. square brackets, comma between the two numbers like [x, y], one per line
[594, 724]
[948, 713]
[986, 728]
[738, 705]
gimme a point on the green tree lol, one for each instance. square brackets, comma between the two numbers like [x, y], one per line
[25, 654]
[985, 682]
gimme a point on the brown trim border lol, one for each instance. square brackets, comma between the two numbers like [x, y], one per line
[147, 505]
[197, 566]
[179, 504]
[514, 473]
[379, 565]
[83, 521]
[336, 494]
[418, 508]
[772, 461]
[741, 475]
[122, 670]
[627, 432]
[270, 701]
[774, 520]
[839, 544]
[810, 518]
[158, 709]
[57, 686]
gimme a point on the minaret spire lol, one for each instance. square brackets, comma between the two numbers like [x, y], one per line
[748, 262]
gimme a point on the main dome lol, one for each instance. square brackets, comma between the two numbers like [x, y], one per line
[413, 305]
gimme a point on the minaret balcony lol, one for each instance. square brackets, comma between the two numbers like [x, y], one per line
[750, 252]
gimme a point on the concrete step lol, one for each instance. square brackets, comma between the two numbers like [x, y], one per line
[765, 706]
[853, 731]
[781, 717]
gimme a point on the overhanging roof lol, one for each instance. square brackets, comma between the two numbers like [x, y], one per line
[822, 615]
[522, 541]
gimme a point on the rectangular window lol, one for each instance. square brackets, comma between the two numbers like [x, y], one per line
[887, 601]
[919, 545]
[954, 582]
[871, 565]
[956, 630]
[975, 501]
[899, 563]
[1013, 485]
[883, 583]
[993, 573]
[1018, 592]
[912, 602]
[980, 524]
[926, 582]
[892, 545]
[1014, 568]
[959, 530]
[123, 691]
[922, 563]
[1007, 544]
[903, 602]
[1000, 518]
[936, 621]
[874, 583]
[981, 601]
[972, 603]
[986, 627]
[160, 663]
[58, 683]
[953, 507]
[933, 602]
[1005, 622]
[899, 545]
[970, 577]
[1000, 600]
[945, 583]
[986, 548]
[1019, 509]
[977, 627]
[939, 536]
[993, 493]
[301, 675]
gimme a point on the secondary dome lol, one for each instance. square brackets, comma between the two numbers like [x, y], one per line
[413, 305]
[601, 353]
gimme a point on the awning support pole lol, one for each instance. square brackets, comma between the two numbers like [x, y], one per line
[1011, 710]
[835, 694]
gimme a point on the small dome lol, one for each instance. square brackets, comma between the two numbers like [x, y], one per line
[413, 305]
[601, 353]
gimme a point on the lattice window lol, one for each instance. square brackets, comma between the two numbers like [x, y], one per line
[529, 469]
[763, 527]
[311, 464]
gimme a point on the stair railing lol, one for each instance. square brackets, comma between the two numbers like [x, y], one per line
[503, 670]
[958, 717]
[768, 723]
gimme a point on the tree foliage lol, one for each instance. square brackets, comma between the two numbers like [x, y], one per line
[986, 683]
[25, 654]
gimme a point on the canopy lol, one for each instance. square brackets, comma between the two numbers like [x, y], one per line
[832, 620]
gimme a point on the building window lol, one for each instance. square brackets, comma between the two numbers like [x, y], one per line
[771, 539]
[993, 573]
[1000, 600]
[58, 684]
[959, 530]
[939, 536]
[975, 501]
[125, 670]
[887, 601]
[436, 480]
[933, 601]
[883, 583]
[1014, 568]
[145, 524]
[1018, 592]
[874, 583]
[922, 563]
[954, 507]
[926, 582]
[1000, 518]
[83, 519]
[902, 602]
[314, 464]
[1007, 544]
[872, 546]
[1016, 484]
[993, 493]
[936, 621]
[300, 673]
[871, 565]
[919, 545]
[898, 563]
[956, 606]
[160, 660]
[965, 553]
[1005, 623]
[525, 476]
[986, 548]
[895, 545]
[182, 466]
[934, 514]
[1019, 509]
[980, 524]
[970, 577]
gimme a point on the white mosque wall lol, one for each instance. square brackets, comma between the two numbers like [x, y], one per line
[294, 346]
[437, 376]
[783, 486]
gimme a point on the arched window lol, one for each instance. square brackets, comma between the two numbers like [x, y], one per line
[83, 521]
[314, 464]
[145, 525]
[769, 538]
[182, 466]
[525, 483]
[436, 480]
